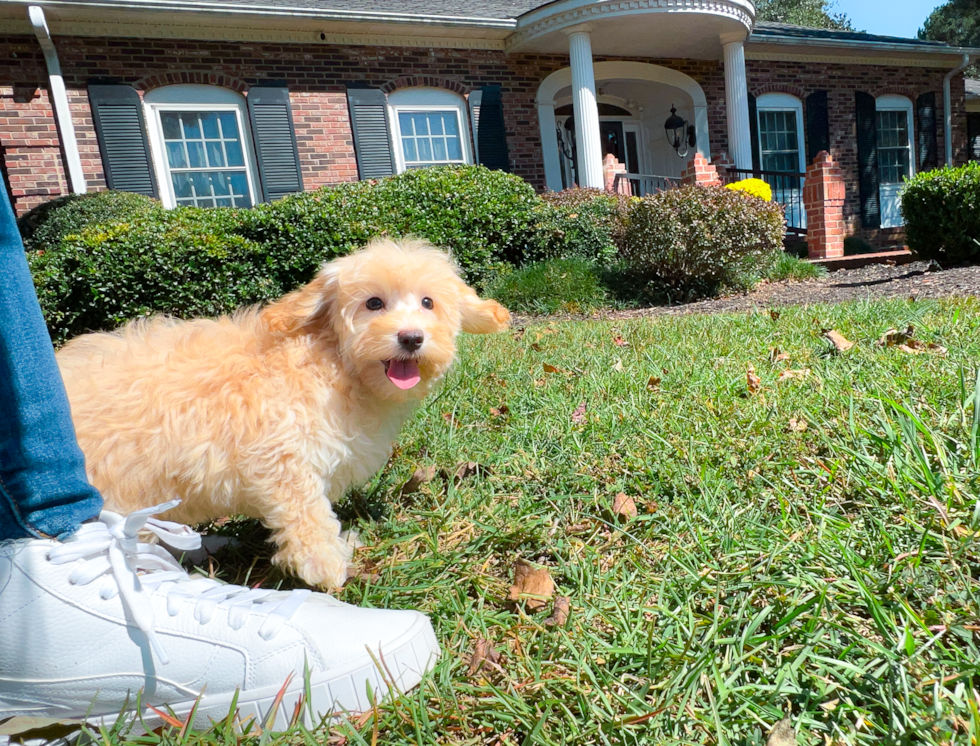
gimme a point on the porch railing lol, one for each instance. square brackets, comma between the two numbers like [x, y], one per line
[642, 184]
[787, 190]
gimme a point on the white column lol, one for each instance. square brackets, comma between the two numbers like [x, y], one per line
[549, 146]
[587, 139]
[737, 101]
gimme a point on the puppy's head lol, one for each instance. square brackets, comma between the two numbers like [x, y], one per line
[395, 308]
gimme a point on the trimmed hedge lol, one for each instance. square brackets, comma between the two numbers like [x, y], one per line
[96, 273]
[942, 214]
[580, 222]
[696, 240]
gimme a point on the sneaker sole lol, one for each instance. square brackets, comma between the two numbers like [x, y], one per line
[399, 665]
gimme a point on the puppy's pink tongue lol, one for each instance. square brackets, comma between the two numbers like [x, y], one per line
[403, 373]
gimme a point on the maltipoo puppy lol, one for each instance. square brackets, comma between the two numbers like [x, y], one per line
[274, 412]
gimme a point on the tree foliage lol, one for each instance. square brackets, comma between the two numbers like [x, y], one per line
[813, 13]
[957, 23]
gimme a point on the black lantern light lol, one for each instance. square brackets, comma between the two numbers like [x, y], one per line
[680, 133]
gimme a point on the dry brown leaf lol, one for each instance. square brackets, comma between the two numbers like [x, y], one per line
[500, 411]
[532, 585]
[368, 578]
[774, 315]
[838, 340]
[518, 333]
[915, 347]
[536, 347]
[894, 337]
[559, 613]
[624, 506]
[450, 418]
[618, 366]
[775, 356]
[787, 375]
[579, 528]
[797, 425]
[484, 656]
[421, 476]
[468, 469]
[550, 368]
[620, 342]
[782, 734]
[752, 380]
[578, 416]
[653, 383]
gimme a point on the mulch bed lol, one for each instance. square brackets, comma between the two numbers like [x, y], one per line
[918, 280]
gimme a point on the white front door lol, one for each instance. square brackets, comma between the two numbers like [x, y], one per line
[894, 158]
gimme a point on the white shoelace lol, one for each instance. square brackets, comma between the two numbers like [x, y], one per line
[110, 549]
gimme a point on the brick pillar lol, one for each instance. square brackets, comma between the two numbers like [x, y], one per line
[722, 162]
[823, 198]
[610, 167]
[700, 173]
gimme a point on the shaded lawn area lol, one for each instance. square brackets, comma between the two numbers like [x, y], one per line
[807, 548]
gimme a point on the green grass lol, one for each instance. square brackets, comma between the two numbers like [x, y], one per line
[829, 573]
[792, 268]
[555, 286]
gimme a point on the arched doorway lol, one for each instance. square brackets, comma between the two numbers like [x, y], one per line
[634, 100]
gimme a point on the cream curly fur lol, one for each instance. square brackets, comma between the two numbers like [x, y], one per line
[274, 412]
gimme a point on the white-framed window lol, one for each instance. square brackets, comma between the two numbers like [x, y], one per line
[201, 146]
[430, 127]
[781, 133]
[896, 154]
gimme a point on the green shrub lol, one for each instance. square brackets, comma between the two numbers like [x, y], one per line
[580, 222]
[790, 268]
[111, 257]
[47, 224]
[483, 217]
[942, 214]
[554, 286]
[697, 240]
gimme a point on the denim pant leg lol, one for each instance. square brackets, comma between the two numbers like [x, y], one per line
[43, 488]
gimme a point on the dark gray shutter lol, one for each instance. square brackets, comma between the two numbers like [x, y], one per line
[928, 146]
[492, 134]
[372, 134]
[754, 132]
[867, 143]
[275, 141]
[117, 113]
[817, 125]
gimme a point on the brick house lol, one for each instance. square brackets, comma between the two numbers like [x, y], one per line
[232, 102]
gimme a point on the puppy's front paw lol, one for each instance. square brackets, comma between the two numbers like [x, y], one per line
[323, 566]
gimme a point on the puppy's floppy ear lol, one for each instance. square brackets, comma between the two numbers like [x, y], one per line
[480, 316]
[300, 310]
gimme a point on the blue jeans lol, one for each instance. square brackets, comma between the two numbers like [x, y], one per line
[43, 489]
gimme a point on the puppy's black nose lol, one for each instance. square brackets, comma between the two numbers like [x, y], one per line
[411, 340]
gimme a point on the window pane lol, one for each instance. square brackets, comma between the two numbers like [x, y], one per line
[195, 154]
[233, 149]
[221, 183]
[425, 148]
[454, 151]
[202, 184]
[438, 148]
[182, 185]
[408, 147]
[224, 202]
[779, 141]
[216, 156]
[209, 121]
[450, 123]
[229, 125]
[175, 155]
[192, 129]
[171, 125]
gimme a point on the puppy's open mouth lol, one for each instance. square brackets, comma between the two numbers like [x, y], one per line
[403, 373]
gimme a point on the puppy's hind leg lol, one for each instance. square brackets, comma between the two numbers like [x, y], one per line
[307, 532]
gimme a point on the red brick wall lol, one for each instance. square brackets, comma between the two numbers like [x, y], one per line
[316, 75]
[841, 81]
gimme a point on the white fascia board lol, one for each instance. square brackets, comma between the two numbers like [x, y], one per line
[274, 10]
[861, 45]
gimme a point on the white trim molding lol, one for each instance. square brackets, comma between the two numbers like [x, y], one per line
[891, 216]
[565, 13]
[59, 101]
[422, 99]
[784, 102]
[737, 105]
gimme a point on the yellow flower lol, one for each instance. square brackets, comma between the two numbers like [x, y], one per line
[755, 187]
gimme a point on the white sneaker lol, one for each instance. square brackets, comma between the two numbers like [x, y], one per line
[89, 623]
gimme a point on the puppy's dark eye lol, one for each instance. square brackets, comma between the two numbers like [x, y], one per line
[427, 303]
[374, 304]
